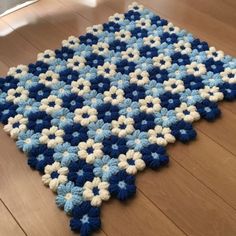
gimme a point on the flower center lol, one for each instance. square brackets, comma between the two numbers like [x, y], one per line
[68, 196]
[96, 191]
[105, 168]
[54, 175]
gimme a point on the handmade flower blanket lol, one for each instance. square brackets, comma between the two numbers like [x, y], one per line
[93, 113]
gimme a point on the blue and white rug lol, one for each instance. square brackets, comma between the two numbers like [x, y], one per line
[104, 106]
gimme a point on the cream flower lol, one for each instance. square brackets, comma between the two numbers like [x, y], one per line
[116, 17]
[96, 191]
[123, 35]
[170, 28]
[100, 48]
[135, 7]
[90, 150]
[85, 115]
[76, 63]
[150, 104]
[52, 137]
[47, 56]
[139, 77]
[114, 95]
[50, 104]
[161, 136]
[162, 61]
[18, 72]
[107, 70]
[213, 53]
[72, 42]
[229, 75]
[130, 54]
[17, 95]
[143, 23]
[95, 29]
[183, 47]
[15, 125]
[174, 85]
[49, 78]
[80, 86]
[211, 93]
[187, 113]
[196, 69]
[123, 126]
[54, 175]
[152, 41]
[131, 162]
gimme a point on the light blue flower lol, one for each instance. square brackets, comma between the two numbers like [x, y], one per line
[129, 108]
[58, 65]
[211, 79]
[105, 167]
[145, 64]
[93, 99]
[27, 140]
[28, 106]
[61, 89]
[137, 140]
[165, 117]
[28, 81]
[2, 97]
[68, 196]
[190, 97]
[62, 118]
[154, 89]
[98, 131]
[88, 72]
[65, 154]
[120, 81]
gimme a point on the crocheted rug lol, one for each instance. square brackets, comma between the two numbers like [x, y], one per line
[93, 113]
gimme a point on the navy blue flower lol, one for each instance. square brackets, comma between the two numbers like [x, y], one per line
[64, 53]
[8, 83]
[125, 67]
[158, 75]
[208, 110]
[100, 84]
[134, 92]
[169, 38]
[144, 122]
[37, 121]
[156, 20]
[180, 59]
[192, 82]
[111, 27]
[139, 33]
[169, 100]
[117, 46]
[132, 15]
[38, 68]
[75, 133]
[69, 75]
[94, 60]
[114, 146]
[88, 39]
[214, 66]
[72, 101]
[80, 172]
[148, 51]
[122, 185]
[7, 110]
[200, 46]
[39, 92]
[183, 131]
[107, 112]
[229, 91]
[155, 156]
[85, 219]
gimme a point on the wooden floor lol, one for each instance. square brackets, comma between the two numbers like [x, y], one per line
[195, 195]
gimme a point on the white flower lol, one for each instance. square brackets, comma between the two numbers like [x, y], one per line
[50, 104]
[183, 47]
[85, 115]
[54, 175]
[107, 70]
[47, 56]
[131, 162]
[49, 78]
[90, 150]
[122, 126]
[161, 136]
[229, 75]
[123, 35]
[152, 41]
[196, 69]
[96, 191]
[135, 7]
[52, 137]
[80, 86]
[95, 29]
[139, 77]
[143, 23]
[174, 85]
[18, 72]
[162, 61]
[100, 48]
[130, 54]
[114, 95]
[76, 63]
[170, 28]
[17, 95]
[187, 113]
[150, 104]
[213, 53]
[15, 125]
[72, 42]
[211, 93]
[116, 17]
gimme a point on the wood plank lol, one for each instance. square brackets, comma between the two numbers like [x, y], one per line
[8, 225]
[3, 69]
